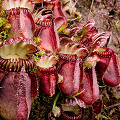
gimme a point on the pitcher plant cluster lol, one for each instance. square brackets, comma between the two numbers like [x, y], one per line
[72, 61]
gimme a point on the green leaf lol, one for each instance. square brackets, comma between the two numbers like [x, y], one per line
[2, 21]
[62, 28]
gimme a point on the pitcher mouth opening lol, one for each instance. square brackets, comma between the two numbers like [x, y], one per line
[14, 53]
[72, 51]
[8, 4]
[47, 62]
[70, 115]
